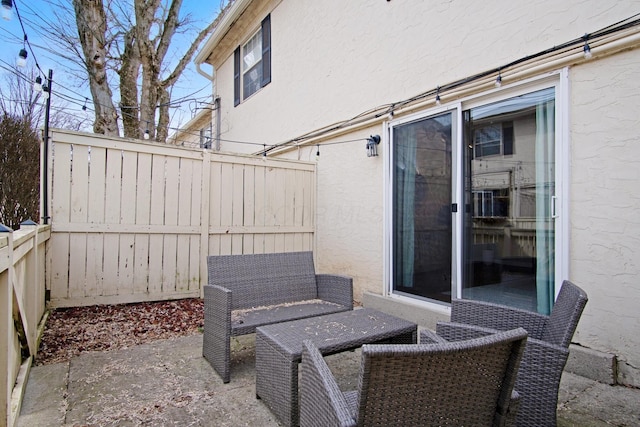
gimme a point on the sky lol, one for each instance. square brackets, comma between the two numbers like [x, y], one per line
[69, 95]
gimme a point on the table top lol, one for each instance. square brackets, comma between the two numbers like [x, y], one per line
[334, 332]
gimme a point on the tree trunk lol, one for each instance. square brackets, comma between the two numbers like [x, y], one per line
[163, 115]
[129, 72]
[92, 25]
[145, 14]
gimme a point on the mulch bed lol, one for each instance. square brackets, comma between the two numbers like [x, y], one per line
[72, 331]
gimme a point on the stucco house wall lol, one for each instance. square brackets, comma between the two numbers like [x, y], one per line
[333, 61]
[605, 205]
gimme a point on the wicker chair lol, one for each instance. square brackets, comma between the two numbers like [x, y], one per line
[440, 383]
[547, 347]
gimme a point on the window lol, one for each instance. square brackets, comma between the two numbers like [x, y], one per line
[205, 137]
[493, 139]
[491, 203]
[252, 63]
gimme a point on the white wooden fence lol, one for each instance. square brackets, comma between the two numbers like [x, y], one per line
[133, 221]
[22, 305]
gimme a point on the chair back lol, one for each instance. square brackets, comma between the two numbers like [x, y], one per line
[565, 315]
[452, 383]
[264, 279]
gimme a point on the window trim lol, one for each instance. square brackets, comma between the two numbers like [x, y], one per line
[238, 72]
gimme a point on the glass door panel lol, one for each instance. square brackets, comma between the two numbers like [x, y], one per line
[508, 243]
[422, 226]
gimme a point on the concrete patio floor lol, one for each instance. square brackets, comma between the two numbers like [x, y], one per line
[169, 383]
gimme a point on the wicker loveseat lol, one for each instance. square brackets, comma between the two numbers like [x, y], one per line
[247, 291]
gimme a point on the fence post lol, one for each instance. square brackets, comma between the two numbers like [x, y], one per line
[205, 215]
[6, 323]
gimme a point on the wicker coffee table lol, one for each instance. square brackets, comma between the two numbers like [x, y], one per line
[279, 350]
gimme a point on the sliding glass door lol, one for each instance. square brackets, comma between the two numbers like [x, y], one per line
[509, 227]
[491, 237]
[422, 207]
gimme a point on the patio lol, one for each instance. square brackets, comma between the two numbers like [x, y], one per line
[168, 382]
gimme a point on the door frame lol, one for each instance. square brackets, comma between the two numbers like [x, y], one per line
[559, 79]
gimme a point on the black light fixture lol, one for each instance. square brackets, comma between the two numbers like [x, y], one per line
[372, 145]
[7, 9]
[586, 49]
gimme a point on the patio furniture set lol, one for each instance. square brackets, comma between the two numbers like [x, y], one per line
[490, 365]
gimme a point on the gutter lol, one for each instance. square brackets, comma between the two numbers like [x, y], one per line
[232, 15]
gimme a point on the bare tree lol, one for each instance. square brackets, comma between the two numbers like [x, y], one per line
[18, 98]
[19, 170]
[129, 41]
[22, 111]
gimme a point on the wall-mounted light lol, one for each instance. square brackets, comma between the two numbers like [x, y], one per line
[372, 145]
[7, 10]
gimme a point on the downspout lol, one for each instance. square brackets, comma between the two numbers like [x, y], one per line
[216, 99]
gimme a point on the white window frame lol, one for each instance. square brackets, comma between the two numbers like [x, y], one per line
[256, 63]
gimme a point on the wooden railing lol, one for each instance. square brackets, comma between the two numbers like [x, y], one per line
[22, 305]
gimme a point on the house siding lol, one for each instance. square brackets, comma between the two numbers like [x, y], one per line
[605, 205]
[333, 60]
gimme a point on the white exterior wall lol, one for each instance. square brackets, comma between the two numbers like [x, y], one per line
[605, 205]
[333, 60]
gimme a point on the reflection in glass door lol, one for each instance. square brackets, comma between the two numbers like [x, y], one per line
[422, 227]
[509, 232]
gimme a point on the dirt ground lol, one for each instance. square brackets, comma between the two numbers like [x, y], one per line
[72, 331]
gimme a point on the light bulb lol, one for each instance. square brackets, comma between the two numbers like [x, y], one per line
[498, 80]
[146, 134]
[7, 10]
[587, 51]
[22, 58]
[37, 86]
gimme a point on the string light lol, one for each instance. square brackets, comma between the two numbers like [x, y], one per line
[438, 101]
[146, 134]
[45, 91]
[499, 79]
[37, 86]
[22, 58]
[317, 150]
[587, 48]
[84, 106]
[7, 12]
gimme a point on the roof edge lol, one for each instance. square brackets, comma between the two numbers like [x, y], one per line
[227, 21]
